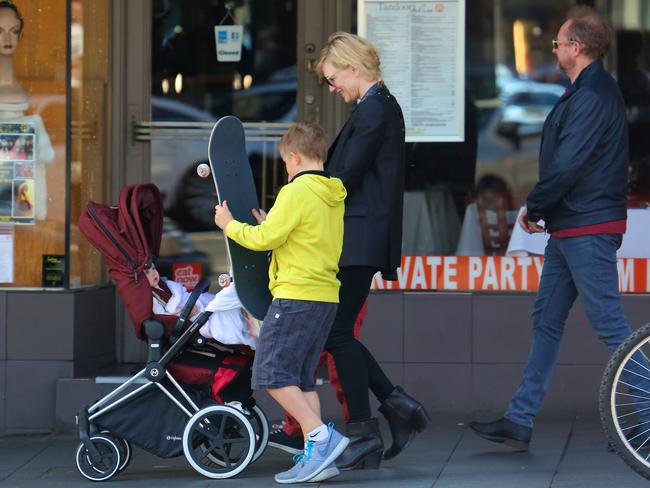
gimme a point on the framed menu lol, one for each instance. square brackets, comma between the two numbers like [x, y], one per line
[422, 49]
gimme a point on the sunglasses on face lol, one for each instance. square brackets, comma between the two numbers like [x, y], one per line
[330, 79]
[557, 43]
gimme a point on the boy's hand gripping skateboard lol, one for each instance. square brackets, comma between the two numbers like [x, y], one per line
[234, 182]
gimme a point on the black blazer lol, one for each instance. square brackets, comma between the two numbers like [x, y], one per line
[368, 155]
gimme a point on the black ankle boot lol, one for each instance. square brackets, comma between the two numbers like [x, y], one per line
[406, 417]
[365, 448]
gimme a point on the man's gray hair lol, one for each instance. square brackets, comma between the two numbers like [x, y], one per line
[590, 30]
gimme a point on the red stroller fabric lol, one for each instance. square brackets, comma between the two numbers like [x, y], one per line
[128, 236]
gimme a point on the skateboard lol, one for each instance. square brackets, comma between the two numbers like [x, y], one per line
[233, 179]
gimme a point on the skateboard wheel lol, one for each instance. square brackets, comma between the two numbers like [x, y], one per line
[203, 170]
[224, 280]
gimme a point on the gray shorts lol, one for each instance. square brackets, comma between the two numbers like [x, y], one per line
[292, 338]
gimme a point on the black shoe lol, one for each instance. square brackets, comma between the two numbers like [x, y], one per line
[365, 448]
[291, 444]
[504, 431]
[406, 417]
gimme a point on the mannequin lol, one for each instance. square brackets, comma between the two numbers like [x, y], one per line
[14, 101]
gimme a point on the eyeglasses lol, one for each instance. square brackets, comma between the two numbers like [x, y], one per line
[557, 43]
[330, 80]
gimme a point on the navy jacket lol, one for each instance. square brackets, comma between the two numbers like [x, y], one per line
[583, 160]
[368, 155]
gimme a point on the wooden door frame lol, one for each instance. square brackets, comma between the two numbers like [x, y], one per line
[317, 19]
[130, 101]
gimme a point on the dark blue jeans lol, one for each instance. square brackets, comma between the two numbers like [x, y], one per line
[582, 266]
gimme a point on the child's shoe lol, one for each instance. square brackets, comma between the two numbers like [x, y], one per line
[281, 440]
[320, 454]
[290, 475]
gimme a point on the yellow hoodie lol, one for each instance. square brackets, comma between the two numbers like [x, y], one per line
[304, 229]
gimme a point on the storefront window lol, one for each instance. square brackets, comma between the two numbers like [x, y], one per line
[36, 183]
[191, 89]
[512, 84]
[32, 141]
[89, 165]
[463, 199]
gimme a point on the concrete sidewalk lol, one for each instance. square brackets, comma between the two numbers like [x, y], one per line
[567, 451]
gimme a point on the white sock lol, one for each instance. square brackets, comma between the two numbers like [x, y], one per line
[320, 433]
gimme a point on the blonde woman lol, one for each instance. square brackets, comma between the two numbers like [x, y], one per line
[368, 155]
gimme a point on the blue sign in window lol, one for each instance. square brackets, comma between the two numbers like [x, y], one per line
[222, 36]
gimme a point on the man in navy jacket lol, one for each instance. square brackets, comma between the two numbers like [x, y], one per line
[583, 167]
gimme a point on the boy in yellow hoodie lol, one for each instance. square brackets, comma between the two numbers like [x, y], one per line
[304, 229]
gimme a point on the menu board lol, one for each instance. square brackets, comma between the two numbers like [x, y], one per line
[422, 49]
[17, 173]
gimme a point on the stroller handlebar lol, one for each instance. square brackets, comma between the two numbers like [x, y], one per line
[201, 287]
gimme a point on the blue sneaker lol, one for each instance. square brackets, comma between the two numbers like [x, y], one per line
[327, 473]
[291, 475]
[320, 454]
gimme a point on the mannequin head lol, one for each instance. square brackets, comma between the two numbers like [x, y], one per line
[11, 27]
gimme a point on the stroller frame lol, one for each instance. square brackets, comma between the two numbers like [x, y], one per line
[219, 440]
[208, 449]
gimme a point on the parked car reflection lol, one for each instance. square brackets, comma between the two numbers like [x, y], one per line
[189, 199]
[528, 103]
[509, 138]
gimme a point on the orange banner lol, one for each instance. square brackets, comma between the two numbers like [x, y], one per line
[494, 273]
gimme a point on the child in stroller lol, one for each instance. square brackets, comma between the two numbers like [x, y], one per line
[193, 397]
[229, 323]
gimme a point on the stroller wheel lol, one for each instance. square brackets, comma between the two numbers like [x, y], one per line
[260, 424]
[219, 441]
[125, 453]
[125, 450]
[106, 466]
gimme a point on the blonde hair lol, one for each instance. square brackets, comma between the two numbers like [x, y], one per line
[345, 49]
[308, 139]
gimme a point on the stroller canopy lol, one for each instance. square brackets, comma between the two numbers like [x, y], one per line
[128, 236]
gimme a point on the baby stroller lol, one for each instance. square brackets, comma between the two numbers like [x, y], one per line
[193, 397]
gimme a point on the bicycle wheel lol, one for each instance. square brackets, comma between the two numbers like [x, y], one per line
[624, 401]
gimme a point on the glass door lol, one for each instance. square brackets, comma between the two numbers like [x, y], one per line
[190, 90]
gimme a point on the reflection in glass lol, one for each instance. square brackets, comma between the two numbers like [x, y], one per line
[89, 172]
[32, 98]
[260, 88]
[634, 82]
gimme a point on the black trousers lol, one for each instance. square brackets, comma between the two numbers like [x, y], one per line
[356, 367]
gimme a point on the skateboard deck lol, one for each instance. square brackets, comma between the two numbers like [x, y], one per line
[233, 179]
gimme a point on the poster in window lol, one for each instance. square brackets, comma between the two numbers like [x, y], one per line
[17, 188]
[422, 49]
[6, 254]
[53, 270]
